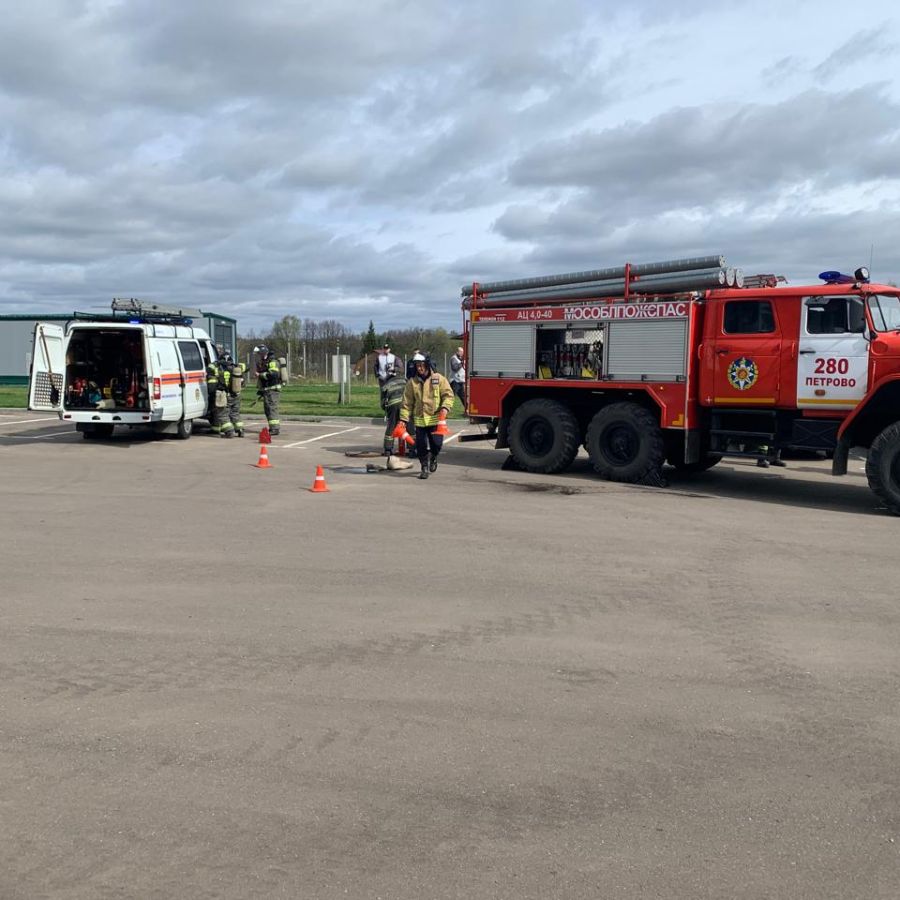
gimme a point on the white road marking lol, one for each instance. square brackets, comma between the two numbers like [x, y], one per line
[455, 434]
[36, 437]
[29, 421]
[319, 438]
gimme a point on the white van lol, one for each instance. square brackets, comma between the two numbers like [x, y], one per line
[100, 374]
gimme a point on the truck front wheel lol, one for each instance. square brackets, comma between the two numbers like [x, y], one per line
[543, 436]
[625, 443]
[883, 467]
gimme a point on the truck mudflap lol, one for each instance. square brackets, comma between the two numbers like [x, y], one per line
[841, 456]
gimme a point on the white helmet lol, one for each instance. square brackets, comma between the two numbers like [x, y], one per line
[418, 358]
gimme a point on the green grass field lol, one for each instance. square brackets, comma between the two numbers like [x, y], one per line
[296, 400]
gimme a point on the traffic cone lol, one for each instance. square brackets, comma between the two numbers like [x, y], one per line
[264, 436]
[264, 458]
[442, 428]
[319, 486]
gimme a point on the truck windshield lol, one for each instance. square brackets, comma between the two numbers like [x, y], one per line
[885, 311]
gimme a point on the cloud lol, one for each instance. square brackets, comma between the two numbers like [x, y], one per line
[352, 159]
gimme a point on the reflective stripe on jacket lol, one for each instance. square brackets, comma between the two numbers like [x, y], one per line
[423, 399]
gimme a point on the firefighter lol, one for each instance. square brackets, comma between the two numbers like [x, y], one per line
[219, 422]
[231, 376]
[427, 399]
[268, 386]
[391, 398]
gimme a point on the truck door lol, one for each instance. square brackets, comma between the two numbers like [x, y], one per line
[747, 354]
[194, 373]
[833, 354]
[48, 366]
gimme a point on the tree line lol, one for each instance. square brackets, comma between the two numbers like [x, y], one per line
[308, 344]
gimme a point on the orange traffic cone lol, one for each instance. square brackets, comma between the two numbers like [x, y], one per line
[264, 436]
[319, 486]
[442, 428]
[264, 458]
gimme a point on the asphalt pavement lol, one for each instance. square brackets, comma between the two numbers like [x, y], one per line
[490, 684]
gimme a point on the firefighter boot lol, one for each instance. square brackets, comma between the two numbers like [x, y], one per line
[239, 432]
[425, 467]
[432, 463]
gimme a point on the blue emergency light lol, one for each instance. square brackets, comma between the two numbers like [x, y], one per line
[861, 275]
[836, 278]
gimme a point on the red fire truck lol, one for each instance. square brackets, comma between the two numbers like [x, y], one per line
[686, 362]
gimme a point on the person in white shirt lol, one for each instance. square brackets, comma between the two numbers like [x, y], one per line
[458, 375]
[386, 360]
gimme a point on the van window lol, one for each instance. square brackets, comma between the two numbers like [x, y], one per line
[749, 317]
[836, 315]
[190, 355]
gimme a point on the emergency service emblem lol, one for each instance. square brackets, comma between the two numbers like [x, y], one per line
[742, 374]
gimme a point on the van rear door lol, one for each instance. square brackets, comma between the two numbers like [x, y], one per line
[48, 365]
[194, 374]
[169, 376]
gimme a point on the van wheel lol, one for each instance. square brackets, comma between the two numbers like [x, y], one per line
[625, 443]
[883, 467]
[185, 429]
[543, 436]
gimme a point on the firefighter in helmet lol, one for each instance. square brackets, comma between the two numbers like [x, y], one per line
[219, 422]
[391, 397]
[268, 385]
[427, 399]
[233, 378]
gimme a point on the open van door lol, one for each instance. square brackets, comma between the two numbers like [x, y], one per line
[48, 365]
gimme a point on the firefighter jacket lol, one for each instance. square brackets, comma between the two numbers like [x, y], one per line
[215, 377]
[392, 392]
[424, 397]
[268, 375]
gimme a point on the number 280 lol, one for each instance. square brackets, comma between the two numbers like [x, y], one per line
[832, 366]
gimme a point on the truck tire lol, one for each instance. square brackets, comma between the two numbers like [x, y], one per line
[543, 436]
[883, 467]
[625, 443]
[185, 429]
[694, 468]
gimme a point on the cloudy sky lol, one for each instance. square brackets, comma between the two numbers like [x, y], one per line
[361, 159]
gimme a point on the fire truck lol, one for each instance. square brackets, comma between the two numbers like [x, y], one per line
[686, 362]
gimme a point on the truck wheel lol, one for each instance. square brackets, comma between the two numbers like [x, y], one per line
[625, 443]
[694, 468]
[543, 436]
[185, 429]
[883, 467]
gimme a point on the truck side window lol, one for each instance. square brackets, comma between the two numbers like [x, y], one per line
[749, 317]
[190, 354]
[837, 315]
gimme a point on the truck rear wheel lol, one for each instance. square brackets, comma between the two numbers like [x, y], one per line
[543, 436]
[625, 443]
[185, 429]
[883, 467]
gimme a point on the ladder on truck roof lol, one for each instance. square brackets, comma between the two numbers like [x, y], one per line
[676, 276]
[135, 311]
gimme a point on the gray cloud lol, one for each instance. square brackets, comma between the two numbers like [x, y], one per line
[341, 160]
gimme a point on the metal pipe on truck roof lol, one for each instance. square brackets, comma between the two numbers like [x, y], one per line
[618, 283]
[660, 284]
[657, 268]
